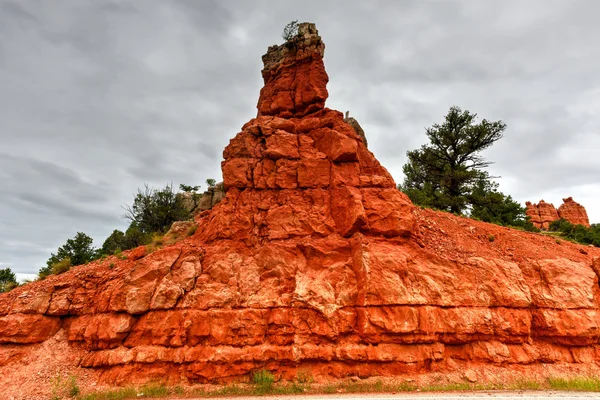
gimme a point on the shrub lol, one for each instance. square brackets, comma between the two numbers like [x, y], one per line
[304, 376]
[491, 238]
[263, 380]
[155, 210]
[290, 30]
[578, 233]
[78, 250]
[192, 230]
[8, 280]
[188, 188]
[73, 387]
[211, 182]
[157, 239]
[61, 266]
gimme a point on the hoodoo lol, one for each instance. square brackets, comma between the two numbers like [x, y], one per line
[312, 262]
[573, 212]
[543, 214]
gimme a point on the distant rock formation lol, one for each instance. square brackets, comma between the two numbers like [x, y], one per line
[196, 202]
[543, 214]
[573, 212]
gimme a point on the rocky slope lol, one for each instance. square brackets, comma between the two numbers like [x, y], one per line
[312, 262]
[542, 213]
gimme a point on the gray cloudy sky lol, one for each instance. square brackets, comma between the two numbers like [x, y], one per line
[99, 97]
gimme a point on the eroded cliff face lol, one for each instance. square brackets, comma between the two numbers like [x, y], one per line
[543, 214]
[314, 262]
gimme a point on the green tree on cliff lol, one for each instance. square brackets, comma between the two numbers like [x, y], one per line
[154, 210]
[76, 251]
[8, 280]
[445, 172]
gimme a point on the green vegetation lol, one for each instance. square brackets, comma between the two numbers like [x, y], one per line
[64, 387]
[263, 383]
[192, 230]
[151, 215]
[188, 188]
[490, 205]
[155, 210]
[76, 251]
[61, 266]
[577, 233]
[582, 384]
[444, 173]
[290, 30]
[448, 173]
[8, 280]
[211, 182]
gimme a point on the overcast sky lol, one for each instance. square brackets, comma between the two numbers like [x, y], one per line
[99, 97]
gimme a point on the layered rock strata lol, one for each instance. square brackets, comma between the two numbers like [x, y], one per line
[312, 262]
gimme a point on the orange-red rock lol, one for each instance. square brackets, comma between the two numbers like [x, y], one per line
[542, 214]
[27, 328]
[294, 75]
[573, 212]
[314, 260]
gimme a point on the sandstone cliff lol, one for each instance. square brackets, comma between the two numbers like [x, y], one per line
[542, 214]
[314, 262]
[573, 212]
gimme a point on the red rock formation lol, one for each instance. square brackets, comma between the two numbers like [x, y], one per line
[573, 212]
[542, 214]
[315, 262]
[531, 210]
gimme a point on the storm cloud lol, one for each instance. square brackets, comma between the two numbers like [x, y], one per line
[100, 97]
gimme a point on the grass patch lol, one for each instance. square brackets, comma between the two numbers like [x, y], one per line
[192, 230]
[263, 383]
[64, 387]
[146, 391]
[582, 384]
[61, 266]
[119, 394]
